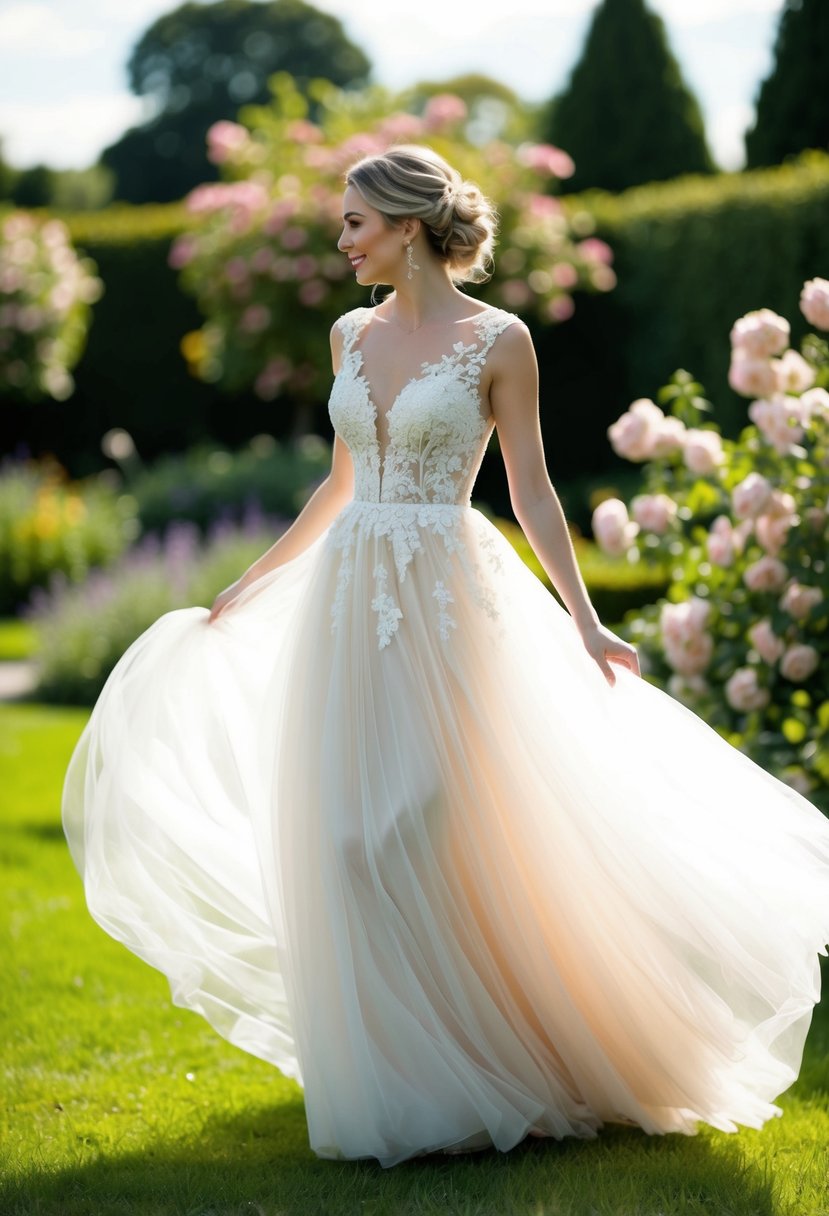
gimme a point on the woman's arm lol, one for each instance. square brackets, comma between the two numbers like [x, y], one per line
[513, 398]
[321, 508]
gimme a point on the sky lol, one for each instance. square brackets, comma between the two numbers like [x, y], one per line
[64, 97]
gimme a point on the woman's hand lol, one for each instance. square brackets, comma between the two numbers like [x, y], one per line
[604, 646]
[222, 601]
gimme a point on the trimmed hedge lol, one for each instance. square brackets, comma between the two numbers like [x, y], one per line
[691, 256]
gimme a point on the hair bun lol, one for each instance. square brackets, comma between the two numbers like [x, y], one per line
[412, 180]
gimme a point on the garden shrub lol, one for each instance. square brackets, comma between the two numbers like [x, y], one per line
[49, 524]
[743, 524]
[210, 483]
[83, 630]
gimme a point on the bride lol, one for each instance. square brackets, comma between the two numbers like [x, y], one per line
[395, 821]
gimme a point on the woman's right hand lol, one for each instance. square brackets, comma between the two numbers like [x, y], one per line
[222, 601]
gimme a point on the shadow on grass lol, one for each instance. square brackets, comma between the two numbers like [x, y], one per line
[258, 1163]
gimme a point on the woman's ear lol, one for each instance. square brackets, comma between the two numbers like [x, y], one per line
[410, 228]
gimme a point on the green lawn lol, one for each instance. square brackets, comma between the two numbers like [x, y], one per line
[118, 1103]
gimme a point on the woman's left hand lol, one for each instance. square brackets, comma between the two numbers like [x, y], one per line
[606, 649]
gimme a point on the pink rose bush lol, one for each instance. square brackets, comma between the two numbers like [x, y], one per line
[46, 292]
[743, 527]
[261, 251]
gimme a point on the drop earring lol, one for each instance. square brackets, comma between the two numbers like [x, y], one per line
[411, 264]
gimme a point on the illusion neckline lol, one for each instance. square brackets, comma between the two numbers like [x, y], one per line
[426, 368]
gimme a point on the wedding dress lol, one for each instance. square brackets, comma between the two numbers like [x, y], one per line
[385, 825]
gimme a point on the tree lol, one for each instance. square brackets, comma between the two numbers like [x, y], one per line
[793, 104]
[626, 115]
[33, 187]
[202, 62]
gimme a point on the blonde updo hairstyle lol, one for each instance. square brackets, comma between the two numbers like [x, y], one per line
[413, 181]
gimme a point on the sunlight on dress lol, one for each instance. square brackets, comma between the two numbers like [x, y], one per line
[385, 825]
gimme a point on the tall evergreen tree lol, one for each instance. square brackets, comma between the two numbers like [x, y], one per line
[626, 115]
[793, 105]
[200, 63]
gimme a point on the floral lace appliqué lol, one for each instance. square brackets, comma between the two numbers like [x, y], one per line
[421, 483]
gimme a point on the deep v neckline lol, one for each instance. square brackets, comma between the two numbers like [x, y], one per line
[451, 360]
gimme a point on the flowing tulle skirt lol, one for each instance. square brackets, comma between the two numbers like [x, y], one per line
[444, 875]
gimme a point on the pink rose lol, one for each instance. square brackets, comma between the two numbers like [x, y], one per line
[443, 110]
[654, 512]
[765, 641]
[679, 621]
[303, 132]
[702, 451]
[799, 600]
[781, 505]
[225, 140]
[751, 377]
[814, 403]
[255, 319]
[612, 527]
[401, 126]
[760, 334]
[799, 661]
[814, 302]
[766, 574]
[772, 531]
[546, 159]
[750, 496]
[792, 373]
[561, 308]
[778, 420]
[515, 293]
[744, 692]
[633, 435]
[313, 292]
[669, 437]
[691, 656]
[720, 542]
[564, 274]
[593, 249]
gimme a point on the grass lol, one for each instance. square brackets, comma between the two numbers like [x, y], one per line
[119, 1104]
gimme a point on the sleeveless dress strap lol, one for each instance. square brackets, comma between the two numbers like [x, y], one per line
[350, 325]
[487, 328]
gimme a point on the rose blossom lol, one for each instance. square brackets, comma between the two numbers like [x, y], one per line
[765, 641]
[760, 334]
[720, 542]
[680, 621]
[443, 110]
[799, 662]
[687, 688]
[612, 527]
[814, 302]
[766, 574]
[692, 656]
[634, 433]
[771, 531]
[814, 402]
[654, 512]
[702, 451]
[224, 140]
[751, 377]
[744, 692]
[778, 419]
[546, 158]
[669, 437]
[792, 373]
[750, 496]
[799, 600]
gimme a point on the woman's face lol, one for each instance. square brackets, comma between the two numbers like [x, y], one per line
[374, 250]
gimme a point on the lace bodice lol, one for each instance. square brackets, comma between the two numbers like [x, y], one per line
[437, 433]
